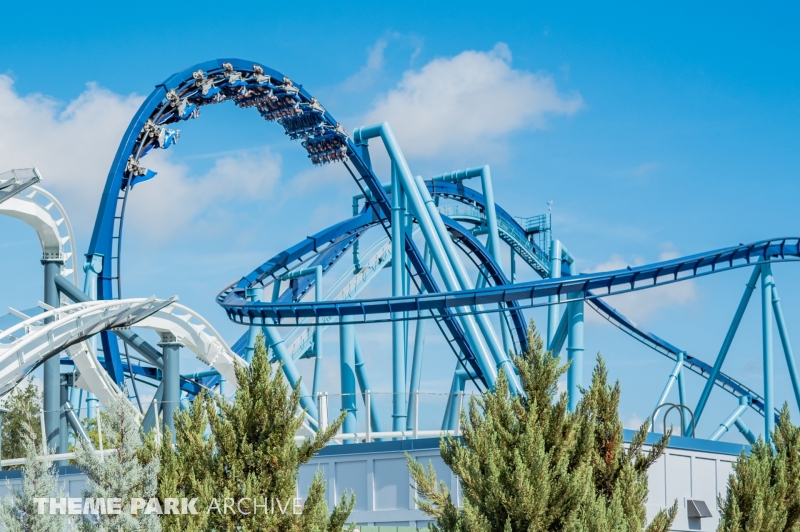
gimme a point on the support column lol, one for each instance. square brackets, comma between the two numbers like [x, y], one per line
[766, 342]
[363, 383]
[318, 295]
[726, 344]
[419, 349]
[552, 309]
[744, 402]
[787, 346]
[91, 269]
[675, 375]
[398, 327]
[171, 379]
[91, 405]
[275, 342]
[252, 294]
[575, 352]
[347, 357]
[51, 400]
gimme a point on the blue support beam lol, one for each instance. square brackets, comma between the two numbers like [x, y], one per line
[749, 436]
[347, 369]
[316, 271]
[766, 339]
[787, 346]
[253, 293]
[575, 352]
[426, 224]
[275, 342]
[726, 344]
[364, 385]
[398, 287]
[673, 376]
[553, 309]
[744, 403]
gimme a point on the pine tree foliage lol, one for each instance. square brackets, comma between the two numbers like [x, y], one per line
[763, 492]
[527, 463]
[22, 419]
[19, 511]
[245, 451]
[121, 474]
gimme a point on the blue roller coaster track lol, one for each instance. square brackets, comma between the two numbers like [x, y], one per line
[429, 279]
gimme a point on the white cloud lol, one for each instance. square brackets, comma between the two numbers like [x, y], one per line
[166, 205]
[375, 61]
[461, 103]
[73, 145]
[643, 304]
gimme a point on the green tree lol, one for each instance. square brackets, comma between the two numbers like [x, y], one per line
[122, 474]
[763, 492]
[246, 451]
[527, 463]
[24, 408]
[19, 510]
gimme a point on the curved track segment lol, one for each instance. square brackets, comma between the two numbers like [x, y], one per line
[586, 286]
[55, 234]
[276, 98]
[29, 343]
[192, 330]
[514, 235]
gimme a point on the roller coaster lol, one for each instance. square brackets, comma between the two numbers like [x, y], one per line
[444, 243]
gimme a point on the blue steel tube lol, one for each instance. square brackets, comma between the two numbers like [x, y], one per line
[363, 383]
[91, 269]
[500, 358]
[749, 436]
[347, 353]
[766, 338]
[553, 307]
[744, 402]
[398, 324]
[436, 246]
[419, 348]
[488, 194]
[275, 342]
[51, 403]
[252, 294]
[441, 242]
[575, 351]
[316, 271]
[451, 412]
[676, 371]
[787, 347]
[491, 221]
[726, 344]
[318, 296]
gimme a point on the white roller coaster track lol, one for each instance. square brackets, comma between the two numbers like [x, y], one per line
[19, 343]
[192, 330]
[55, 234]
[29, 343]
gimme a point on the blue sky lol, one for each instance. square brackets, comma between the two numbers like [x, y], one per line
[657, 131]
